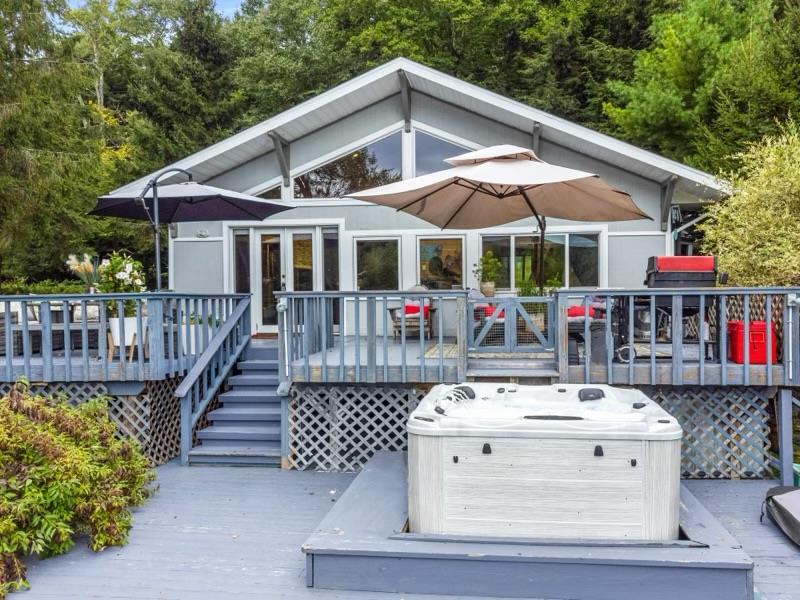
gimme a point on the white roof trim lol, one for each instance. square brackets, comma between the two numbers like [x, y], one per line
[548, 120]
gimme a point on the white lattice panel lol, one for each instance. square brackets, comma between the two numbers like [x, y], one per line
[726, 430]
[338, 428]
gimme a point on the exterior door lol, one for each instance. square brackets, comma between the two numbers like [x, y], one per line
[272, 278]
[292, 259]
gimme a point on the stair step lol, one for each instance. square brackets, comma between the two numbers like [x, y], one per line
[264, 365]
[245, 413]
[247, 396]
[259, 453]
[261, 352]
[229, 433]
[253, 380]
[513, 372]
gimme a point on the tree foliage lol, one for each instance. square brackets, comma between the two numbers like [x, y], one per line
[756, 233]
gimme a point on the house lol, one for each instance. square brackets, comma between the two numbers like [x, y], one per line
[400, 120]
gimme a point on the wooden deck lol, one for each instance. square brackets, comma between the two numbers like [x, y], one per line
[225, 532]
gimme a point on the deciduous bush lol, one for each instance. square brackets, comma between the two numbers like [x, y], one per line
[63, 473]
[755, 233]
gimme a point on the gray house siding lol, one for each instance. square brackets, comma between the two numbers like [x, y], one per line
[196, 266]
[627, 258]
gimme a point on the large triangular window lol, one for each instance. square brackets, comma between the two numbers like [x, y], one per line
[430, 152]
[375, 164]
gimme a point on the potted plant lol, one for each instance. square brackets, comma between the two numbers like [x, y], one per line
[193, 340]
[121, 273]
[85, 269]
[486, 271]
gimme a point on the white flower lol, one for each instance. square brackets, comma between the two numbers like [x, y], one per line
[128, 267]
[122, 275]
[137, 281]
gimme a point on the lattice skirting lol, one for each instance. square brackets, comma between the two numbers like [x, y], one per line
[726, 429]
[152, 417]
[338, 428]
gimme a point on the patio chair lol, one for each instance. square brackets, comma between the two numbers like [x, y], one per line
[413, 308]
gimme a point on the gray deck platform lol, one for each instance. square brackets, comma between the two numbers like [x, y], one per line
[226, 532]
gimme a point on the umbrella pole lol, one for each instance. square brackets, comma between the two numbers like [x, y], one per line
[157, 235]
[540, 266]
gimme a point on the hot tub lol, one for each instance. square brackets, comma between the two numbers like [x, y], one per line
[561, 461]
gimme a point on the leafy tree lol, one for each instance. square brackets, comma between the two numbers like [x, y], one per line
[755, 90]
[672, 91]
[755, 233]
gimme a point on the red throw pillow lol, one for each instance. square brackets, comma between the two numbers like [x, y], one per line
[579, 311]
[413, 309]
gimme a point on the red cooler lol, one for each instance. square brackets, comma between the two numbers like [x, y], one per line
[758, 342]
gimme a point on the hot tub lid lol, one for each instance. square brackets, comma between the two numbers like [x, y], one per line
[554, 411]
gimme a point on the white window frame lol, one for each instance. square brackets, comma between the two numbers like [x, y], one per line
[566, 232]
[377, 238]
[343, 151]
[467, 145]
[455, 236]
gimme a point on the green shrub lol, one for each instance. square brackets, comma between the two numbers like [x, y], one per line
[63, 472]
[21, 286]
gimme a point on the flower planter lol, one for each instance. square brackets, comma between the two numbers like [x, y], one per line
[487, 288]
[130, 330]
[192, 341]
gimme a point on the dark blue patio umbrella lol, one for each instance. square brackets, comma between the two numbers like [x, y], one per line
[184, 202]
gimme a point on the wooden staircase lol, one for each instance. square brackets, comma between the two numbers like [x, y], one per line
[246, 428]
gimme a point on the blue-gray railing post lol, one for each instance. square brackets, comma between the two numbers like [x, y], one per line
[284, 361]
[785, 445]
[562, 347]
[155, 328]
[186, 427]
[463, 333]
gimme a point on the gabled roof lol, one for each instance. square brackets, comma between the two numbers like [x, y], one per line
[383, 82]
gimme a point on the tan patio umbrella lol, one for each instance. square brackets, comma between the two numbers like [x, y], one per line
[502, 184]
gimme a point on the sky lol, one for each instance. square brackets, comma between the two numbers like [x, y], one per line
[225, 7]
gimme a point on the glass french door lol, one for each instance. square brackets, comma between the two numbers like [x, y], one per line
[292, 259]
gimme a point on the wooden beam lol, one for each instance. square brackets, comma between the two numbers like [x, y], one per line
[536, 136]
[282, 153]
[405, 99]
[667, 191]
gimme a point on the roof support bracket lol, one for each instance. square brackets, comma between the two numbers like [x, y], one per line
[667, 191]
[405, 99]
[536, 136]
[282, 152]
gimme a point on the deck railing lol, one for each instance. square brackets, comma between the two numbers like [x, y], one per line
[209, 371]
[679, 336]
[80, 337]
[370, 337]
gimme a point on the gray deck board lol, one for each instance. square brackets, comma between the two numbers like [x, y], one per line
[737, 505]
[227, 532]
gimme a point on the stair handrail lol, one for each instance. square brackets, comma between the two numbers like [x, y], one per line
[210, 371]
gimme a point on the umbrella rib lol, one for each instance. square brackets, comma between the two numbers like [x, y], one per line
[463, 204]
[425, 197]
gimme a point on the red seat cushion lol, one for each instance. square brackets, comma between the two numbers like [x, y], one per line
[488, 311]
[578, 311]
